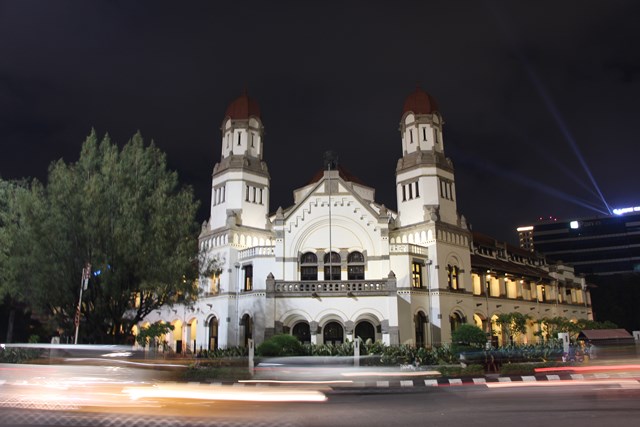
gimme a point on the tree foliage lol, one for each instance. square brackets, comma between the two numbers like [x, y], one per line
[11, 192]
[152, 332]
[122, 211]
[469, 335]
[554, 325]
[513, 324]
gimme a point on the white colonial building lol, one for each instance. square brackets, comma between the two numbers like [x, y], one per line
[337, 265]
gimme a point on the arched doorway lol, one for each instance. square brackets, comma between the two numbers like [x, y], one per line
[247, 322]
[302, 331]
[333, 333]
[190, 343]
[421, 323]
[177, 336]
[481, 322]
[497, 338]
[213, 333]
[455, 320]
[365, 331]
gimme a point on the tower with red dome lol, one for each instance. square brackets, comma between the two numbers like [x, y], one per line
[240, 183]
[427, 209]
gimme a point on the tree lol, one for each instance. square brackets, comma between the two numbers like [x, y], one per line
[123, 212]
[513, 324]
[11, 289]
[151, 333]
[554, 325]
[469, 335]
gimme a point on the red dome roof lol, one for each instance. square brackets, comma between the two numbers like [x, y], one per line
[243, 108]
[420, 102]
[342, 172]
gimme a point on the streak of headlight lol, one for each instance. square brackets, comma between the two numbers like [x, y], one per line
[553, 110]
[302, 382]
[591, 368]
[391, 374]
[197, 392]
[561, 383]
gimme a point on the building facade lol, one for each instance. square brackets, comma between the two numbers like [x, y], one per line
[600, 245]
[337, 265]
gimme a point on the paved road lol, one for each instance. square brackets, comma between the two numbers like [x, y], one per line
[550, 403]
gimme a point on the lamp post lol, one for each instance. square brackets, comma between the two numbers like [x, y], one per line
[237, 266]
[84, 281]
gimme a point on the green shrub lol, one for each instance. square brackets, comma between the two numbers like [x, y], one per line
[281, 345]
[19, 355]
[469, 336]
[459, 371]
[224, 353]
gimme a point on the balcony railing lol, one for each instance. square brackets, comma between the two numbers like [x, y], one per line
[334, 288]
[408, 248]
[256, 251]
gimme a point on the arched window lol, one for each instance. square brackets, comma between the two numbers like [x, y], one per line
[355, 267]
[213, 333]
[452, 277]
[248, 277]
[333, 333]
[365, 331]
[308, 266]
[302, 332]
[416, 274]
[332, 266]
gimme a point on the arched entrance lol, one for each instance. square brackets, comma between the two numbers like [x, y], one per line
[455, 320]
[302, 331]
[177, 336]
[190, 344]
[421, 323]
[365, 331]
[247, 322]
[213, 333]
[497, 338]
[480, 321]
[333, 333]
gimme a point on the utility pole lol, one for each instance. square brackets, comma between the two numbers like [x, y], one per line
[86, 272]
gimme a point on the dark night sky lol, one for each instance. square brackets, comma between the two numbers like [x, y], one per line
[522, 85]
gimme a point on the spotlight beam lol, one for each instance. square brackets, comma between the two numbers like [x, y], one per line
[553, 110]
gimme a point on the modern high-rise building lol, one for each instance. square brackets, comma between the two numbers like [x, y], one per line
[593, 246]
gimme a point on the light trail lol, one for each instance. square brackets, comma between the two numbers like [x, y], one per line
[551, 159]
[548, 101]
[487, 166]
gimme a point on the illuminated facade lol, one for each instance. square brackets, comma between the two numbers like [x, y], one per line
[598, 245]
[337, 265]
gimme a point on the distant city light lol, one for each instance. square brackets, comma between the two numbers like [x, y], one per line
[623, 211]
[574, 224]
[527, 228]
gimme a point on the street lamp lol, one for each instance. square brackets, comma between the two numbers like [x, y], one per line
[86, 272]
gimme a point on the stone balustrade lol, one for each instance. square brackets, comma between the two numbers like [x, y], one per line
[256, 251]
[331, 287]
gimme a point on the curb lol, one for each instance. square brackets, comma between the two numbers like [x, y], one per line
[446, 382]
